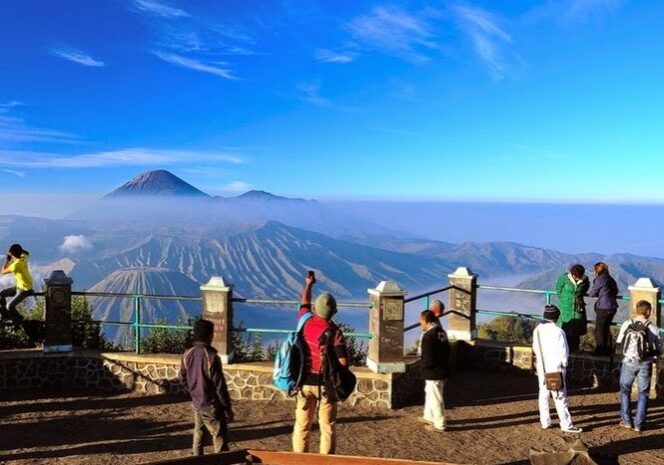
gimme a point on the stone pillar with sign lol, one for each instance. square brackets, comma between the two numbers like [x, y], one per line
[57, 312]
[645, 289]
[218, 308]
[462, 305]
[386, 319]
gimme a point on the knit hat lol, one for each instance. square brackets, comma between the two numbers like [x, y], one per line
[325, 306]
[551, 312]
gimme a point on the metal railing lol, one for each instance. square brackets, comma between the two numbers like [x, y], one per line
[137, 324]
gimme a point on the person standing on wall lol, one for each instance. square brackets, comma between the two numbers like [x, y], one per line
[313, 392]
[640, 343]
[551, 352]
[571, 289]
[202, 375]
[16, 263]
[605, 290]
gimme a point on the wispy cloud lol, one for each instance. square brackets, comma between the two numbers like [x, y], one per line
[490, 41]
[216, 68]
[584, 10]
[332, 56]
[235, 187]
[160, 9]
[20, 174]
[75, 243]
[571, 13]
[76, 56]
[114, 158]
[393, 30]
[14, 129]
[310, 93]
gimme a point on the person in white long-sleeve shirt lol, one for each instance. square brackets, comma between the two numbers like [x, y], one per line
[551, 351]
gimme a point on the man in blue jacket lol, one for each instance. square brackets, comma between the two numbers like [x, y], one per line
[202, 375]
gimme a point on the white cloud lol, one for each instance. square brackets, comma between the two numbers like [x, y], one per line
[581, 11]
[490, 42]
[76, 56]
[73, 244]
[392, 30]
[196, 65]
[5, 107]
[332, 56]
[310, 93]
[20, 174]
[123, 157]
[15, 129]
[160, 9]
[236, 187]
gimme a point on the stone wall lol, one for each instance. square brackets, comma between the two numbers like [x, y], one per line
[158, 374]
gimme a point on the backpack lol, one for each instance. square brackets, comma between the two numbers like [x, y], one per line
[288, 369]
[637, 343]
[338, 380]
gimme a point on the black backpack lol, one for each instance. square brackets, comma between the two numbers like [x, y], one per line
[338, 380]
[637, 341]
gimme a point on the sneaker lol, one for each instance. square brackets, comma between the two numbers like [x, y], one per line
[546, 427]
[424, 420]
[625, 425]
[434, 429]
[636, 429]
[573, 429]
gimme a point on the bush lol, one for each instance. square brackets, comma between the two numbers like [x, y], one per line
[167, 341]
[508, 329]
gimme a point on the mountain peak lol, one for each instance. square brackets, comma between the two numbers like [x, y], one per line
[266, 196]
[157, 183]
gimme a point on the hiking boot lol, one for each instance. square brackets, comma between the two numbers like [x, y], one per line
[622, 424]
[434, 429]
[573, 430]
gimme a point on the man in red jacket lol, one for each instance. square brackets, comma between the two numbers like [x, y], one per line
[308, 396]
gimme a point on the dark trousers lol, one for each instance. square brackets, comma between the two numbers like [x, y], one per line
[603, 339]
[217, 427]
[9, 312]
[572, 334]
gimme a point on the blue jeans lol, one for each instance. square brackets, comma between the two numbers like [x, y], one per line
[630, 371]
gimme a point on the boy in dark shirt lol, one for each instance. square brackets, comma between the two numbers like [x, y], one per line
[202, 375]
[435, 368]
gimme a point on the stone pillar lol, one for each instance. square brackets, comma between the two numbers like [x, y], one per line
[463, 305]
[386, 324]
[645, 289]
[218, 308]
[57, 312]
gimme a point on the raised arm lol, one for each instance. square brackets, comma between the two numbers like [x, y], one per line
[7, 268]
[309, 282]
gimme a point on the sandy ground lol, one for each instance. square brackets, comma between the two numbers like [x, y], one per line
[492, 419]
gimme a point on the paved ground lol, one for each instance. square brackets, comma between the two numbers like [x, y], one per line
[492, 420]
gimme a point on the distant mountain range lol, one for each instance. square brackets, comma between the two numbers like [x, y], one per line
[159, 234]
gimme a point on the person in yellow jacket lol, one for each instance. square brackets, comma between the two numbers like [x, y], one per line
[16, 263]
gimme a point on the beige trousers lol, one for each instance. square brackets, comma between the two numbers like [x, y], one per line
[305, 412]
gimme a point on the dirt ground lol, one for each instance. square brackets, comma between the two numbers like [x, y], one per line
[492, 419]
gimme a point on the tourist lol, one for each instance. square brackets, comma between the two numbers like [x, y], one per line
[16, 263]
[641, 343]
[551, 352]
[309, 396]
[435, 368]
[571, 289]
[605, 290]
[202, 375]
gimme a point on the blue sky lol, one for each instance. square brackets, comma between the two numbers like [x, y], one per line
[554, 100]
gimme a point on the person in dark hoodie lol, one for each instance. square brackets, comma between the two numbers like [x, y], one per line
[202, 376]
[605, 290]
[435, 368]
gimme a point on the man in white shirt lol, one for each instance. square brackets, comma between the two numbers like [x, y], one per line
[640, 343]
[551, 352]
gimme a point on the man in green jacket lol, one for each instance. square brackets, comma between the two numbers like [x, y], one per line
[571, 289]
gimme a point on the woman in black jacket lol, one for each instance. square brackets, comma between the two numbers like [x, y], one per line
[435, 368]
[605, 290]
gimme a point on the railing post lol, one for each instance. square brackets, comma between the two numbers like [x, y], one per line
[137, 324]
[386, 326]
[463, 305]
[645, 289]
[218, 308]
[57, 312]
